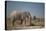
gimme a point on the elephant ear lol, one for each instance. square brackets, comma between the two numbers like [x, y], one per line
[13, 13]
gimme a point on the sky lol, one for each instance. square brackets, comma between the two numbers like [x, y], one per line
[36, 9]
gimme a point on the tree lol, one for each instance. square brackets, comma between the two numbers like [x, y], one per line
[34, 17]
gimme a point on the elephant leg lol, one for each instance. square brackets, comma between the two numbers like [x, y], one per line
[21, 21]
[30, 22]
[13, 21]
[25, 22]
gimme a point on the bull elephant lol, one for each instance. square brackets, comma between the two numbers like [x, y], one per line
[20, 16]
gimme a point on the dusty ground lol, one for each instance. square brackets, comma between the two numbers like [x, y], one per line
[18, 25]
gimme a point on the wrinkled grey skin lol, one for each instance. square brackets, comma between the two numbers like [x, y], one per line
[22, 17]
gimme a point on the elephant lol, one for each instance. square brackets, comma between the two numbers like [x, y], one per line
[20, 16]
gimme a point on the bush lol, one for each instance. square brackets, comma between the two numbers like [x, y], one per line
[32, 24]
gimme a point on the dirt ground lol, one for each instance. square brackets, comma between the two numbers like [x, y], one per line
[18, 25]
